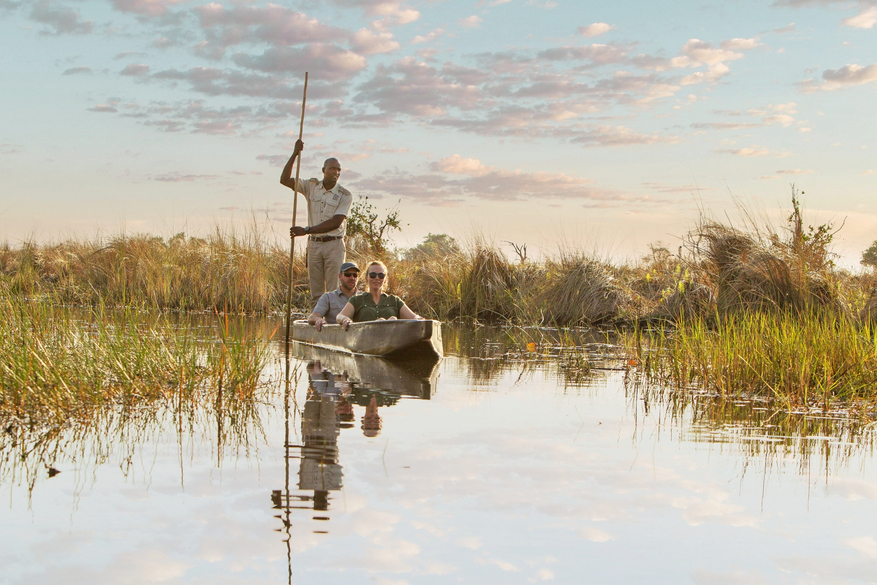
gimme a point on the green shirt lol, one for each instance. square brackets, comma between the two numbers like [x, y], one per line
[365, 308]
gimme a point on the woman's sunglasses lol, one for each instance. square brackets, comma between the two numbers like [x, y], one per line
[380, 275]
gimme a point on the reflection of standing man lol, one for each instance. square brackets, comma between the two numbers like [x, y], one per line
[319, 469]
[328, 206]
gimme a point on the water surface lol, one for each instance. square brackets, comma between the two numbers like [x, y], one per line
[499, 464]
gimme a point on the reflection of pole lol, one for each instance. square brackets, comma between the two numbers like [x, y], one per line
[287, 522]
[301, 130]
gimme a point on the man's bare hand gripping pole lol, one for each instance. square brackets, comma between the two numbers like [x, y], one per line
[295, 155]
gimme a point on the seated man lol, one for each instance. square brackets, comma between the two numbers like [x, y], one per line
[331, 303]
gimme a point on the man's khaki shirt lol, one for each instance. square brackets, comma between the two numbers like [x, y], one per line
[324, 205]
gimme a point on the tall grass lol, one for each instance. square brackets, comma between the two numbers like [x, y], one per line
[59, 363]
[810, 360]
[241, 271]
[720, 269]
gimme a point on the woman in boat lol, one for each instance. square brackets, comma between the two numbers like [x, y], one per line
[374, 304]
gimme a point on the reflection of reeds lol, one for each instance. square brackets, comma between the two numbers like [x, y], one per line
[82, 384]
[768, 437]
[120, 433]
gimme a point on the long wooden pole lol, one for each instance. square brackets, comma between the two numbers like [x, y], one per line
[301, 130]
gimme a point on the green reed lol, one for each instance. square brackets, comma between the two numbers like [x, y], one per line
[798, 358]
[59, 362]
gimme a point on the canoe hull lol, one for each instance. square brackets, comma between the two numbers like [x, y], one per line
[396, 338]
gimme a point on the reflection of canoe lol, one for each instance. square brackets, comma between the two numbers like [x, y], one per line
[411, 378]
[397, 338]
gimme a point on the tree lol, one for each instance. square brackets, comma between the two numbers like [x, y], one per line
[365, 222]
[869, 256]
[433, 245]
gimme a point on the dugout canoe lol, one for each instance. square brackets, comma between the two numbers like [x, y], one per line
[395, 338]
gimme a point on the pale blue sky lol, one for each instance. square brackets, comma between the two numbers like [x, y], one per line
[551, 123]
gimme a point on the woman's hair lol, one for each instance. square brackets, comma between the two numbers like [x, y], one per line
[376, 263]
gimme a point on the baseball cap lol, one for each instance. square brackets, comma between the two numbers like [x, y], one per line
[349, 266]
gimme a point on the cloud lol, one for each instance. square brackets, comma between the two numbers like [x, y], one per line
[676, 189]
[135, 70]
[416, 88]
[597, 53]
[331, 61]
[178, 177]
[782, 114]
[103, 108]
[785, 172]
[145, 7]
[595, 30]
[455, 178]
[275, 160]
[368, 42]
[78, 71]
[273, 25]
[429, 37]
[785, 29]
[462, 166]
[129, 54]
[867, 18]
[738, 44]
[750, 151]
[391, 9]
[703, 52]
[725, 125]
[473, 21]
[846, 76]
[619, 136]
[60, 19]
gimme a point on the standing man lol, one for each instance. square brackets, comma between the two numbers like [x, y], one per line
[331, 303]
[328, 206]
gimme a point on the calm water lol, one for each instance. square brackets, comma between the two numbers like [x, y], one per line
[495, 465]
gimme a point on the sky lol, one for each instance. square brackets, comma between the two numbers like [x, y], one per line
[555, 124]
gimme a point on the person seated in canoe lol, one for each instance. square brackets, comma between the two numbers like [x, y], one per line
[374, 304]
[331, 303]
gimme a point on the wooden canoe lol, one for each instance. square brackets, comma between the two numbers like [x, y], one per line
[396, 338]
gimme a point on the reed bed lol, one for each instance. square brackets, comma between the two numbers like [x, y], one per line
[60, 363]
[719, 269]
[747, 309]
[801, 359]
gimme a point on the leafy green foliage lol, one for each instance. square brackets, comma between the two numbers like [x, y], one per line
[433, 245]
[366, 223]
[869, 256]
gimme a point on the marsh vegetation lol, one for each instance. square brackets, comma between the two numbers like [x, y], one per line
[748, 310]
